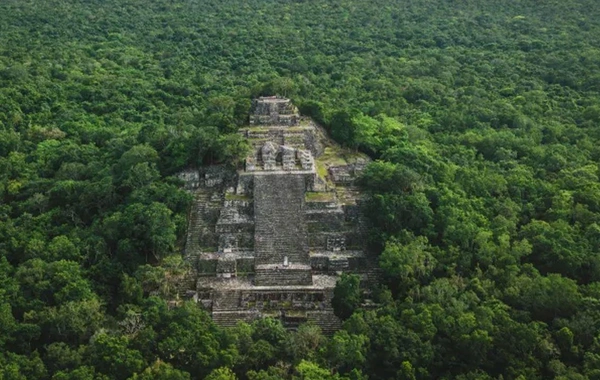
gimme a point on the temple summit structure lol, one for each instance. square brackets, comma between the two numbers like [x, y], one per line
[272, 238]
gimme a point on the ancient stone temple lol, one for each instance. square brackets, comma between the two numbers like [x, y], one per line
[271, 238]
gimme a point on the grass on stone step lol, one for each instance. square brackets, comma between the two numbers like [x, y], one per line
[236, 197]
[319, 197]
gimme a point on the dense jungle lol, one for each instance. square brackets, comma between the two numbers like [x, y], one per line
[483, 198]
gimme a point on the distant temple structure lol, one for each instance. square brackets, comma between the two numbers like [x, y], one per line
[271, 239]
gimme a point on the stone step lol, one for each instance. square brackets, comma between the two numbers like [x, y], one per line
[226, 300]
[338, 265]
[283, 276]
[279, 219]
[326, 320]
[205, 207]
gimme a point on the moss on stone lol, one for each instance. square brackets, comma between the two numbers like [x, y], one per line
[236, 197]
[332, 155]
[321, 169]
[207, 266]
[319, 197]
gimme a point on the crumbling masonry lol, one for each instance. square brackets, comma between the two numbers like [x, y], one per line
[271, 239]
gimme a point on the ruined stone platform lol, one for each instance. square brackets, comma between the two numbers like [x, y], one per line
[272, 238]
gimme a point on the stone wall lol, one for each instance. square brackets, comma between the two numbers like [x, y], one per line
[268, 105]
[287, 120]
[279, 275]
[268, 299]
[292, 307]
[190, 178]
[330, 220]
[274, 111]
[245, 185]
[278, 300]
[331, 263]
[245, 266]
[207, 267]
[202, 218]
[235, 226]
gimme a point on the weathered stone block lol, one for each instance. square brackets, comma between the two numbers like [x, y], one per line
[207, 266]
[245, 266]
[319, 263]
[278, 275]
[226, 267]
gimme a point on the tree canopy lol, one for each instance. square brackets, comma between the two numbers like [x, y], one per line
[483, 203]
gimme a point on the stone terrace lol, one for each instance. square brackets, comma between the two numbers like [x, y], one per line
[271, 239]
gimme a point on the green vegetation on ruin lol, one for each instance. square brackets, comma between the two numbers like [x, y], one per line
[320, 196]
[237, 197]
[335, 155]
[322, 169]
[332, 156]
